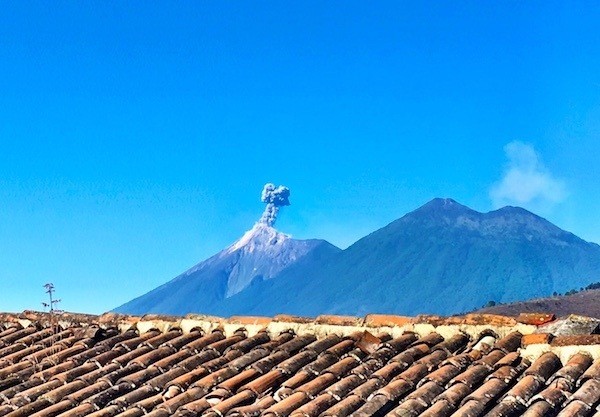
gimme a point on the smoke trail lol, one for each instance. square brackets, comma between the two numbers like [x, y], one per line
[275, 197]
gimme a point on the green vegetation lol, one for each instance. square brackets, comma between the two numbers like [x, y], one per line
[592, 286]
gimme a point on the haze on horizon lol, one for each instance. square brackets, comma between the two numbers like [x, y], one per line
[135, 141]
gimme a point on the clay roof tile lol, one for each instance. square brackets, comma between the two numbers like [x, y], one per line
[287, 405]
[368, 343]
[438, 409]
[588, 393]
[471, 377]
[265, 383]
[267, 363]
[486, 393]
[535, 319]
[573, 369]
[442, 375]
[380, 320]
[295, 344]
[339, 320]
[454, 395]
[402, 342]
[593, 372]
[525, 389]
[389, 371]
[365, 390]
[544, 366]
[576, 340]
[426, 393]
[365, 369]
[430, 340]
[251, 342]
[509, 343]
[252, 410]
[341, 388]
[242, 398]
[413, 374]
[98, 371]
[344, 407]
[376, 405]
[315, 407]
[322, 344]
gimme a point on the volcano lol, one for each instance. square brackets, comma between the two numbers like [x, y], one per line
[261, 254]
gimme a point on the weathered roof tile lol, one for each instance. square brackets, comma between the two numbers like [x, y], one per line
[535, 319]
[164, 371]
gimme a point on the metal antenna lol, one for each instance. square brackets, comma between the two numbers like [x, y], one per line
[53, 325]
[50, 290]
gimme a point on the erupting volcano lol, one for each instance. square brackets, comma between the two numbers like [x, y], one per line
[261, 254]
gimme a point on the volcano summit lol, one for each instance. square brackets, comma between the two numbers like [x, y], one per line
[261, 254]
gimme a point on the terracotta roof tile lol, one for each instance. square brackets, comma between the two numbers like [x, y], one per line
[471, 377]
[510, 359]
[536, 339]
[250, 320]
[454, 395]
[510, 343]
[381, 320]
[492, 358]
[536, 319]
[367, 342]
[573, 370]
[588, 393]
[547, 401]
[287, 405]
[575, 340]
[544, 366]
[265, 383]
[441, 376]
[488, 320]
[91, 370]
[432, 360]
[339, 320]
[287, 318]
[593, 372]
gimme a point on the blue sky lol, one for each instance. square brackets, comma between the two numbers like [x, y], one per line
[136, 137]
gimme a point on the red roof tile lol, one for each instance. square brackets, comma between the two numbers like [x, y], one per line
[87, 370]
[581, 339]
[339, 320]
[379, 320]
[535, 339]
[536, 319]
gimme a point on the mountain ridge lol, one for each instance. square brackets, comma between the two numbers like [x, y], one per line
[434, 253]
[442, 258]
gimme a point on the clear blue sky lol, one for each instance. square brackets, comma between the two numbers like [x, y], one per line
[136, 136]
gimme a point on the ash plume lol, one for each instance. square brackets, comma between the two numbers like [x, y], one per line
[275, 197]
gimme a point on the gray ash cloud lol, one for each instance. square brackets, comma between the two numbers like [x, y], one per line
[275, 197]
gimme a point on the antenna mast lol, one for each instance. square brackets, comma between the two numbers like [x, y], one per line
[50, 290]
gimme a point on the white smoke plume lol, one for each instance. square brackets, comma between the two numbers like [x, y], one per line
[275, 197]
[526, 181]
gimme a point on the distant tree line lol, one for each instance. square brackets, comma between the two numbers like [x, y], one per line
[592, 286]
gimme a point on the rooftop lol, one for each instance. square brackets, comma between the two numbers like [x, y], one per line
[73, 365]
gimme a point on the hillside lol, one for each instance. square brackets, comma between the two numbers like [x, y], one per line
[584, 303]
